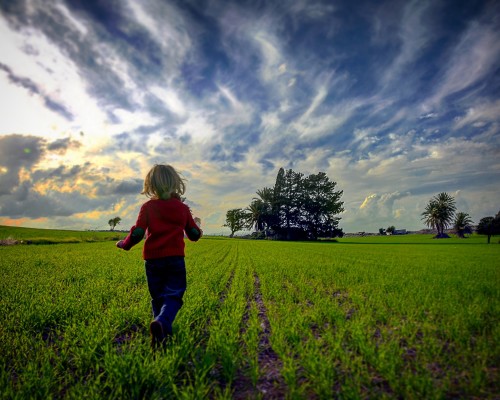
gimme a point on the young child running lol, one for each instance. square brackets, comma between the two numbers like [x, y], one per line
[164, 219]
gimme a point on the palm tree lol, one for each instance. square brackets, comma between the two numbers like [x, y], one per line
[462, 224]
[266, 195]
[439, 213]
[256, 211]
[260, 211]
[431, 215]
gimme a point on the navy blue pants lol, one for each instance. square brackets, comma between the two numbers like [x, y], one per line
[167, 283]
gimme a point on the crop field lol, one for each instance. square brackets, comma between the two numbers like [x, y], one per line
[377, 317]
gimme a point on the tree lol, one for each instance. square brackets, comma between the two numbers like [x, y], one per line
[489, 226]
[263, 207]
[113, 222]
[298, 207]
[391, 229]
[439, 213]
[236, 220]
[255, 215]
[320, 205]
[266, 195]
[288, 201]
[462, 224]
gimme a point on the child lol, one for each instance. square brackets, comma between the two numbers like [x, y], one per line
[164, 219]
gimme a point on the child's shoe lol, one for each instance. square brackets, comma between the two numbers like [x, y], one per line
[157, 334]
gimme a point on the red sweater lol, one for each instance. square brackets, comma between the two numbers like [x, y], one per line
[164, 222]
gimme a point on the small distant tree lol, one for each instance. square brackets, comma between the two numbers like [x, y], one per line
[391, 229]
[462, 225]
[113, 222]
[381, 231]
[236, 220]
[489, 226]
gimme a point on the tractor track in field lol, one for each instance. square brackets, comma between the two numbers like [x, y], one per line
[222, 297]
[227, 287]
[270, 383]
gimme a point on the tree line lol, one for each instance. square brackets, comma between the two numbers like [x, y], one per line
[297, 207]
[440, 214]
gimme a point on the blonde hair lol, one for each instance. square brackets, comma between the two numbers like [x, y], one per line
[163, 182]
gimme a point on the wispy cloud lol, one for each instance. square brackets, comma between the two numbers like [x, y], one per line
[472, 62]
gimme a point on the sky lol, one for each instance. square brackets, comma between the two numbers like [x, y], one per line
[395, 100]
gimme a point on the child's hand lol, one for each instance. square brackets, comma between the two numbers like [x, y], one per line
[119, 244]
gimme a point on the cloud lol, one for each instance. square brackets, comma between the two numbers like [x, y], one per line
[119, 188]
[17, 152]
[61, 145]
[479, 115]
[414, 35]
[30, 188]
[474, 58]
[383, 203]
[368, 200]
[33, 88]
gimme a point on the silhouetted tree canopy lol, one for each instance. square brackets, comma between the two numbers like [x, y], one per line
[236, 220]
[489, 226]
[298, 207]
[113, 222]
[439, 213]
[462, 225]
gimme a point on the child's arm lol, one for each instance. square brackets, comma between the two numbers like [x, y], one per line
[194, 234]
[136, 232]
[135, 236]
[193, 231]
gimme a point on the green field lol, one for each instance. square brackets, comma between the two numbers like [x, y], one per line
[9, 234]
[376, 317]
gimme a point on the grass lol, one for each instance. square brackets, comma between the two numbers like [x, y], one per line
[377, 317]
[16, 235]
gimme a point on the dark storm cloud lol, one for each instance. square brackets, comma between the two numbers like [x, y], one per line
[59, 174]
[25, 202]
[103, 83]
[22, 198]
[26, 151]
[16, 152]
[61, 145]
[119, 188]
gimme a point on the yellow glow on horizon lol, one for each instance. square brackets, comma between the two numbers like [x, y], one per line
[95, 215]
[44, 187]
[23, 222]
